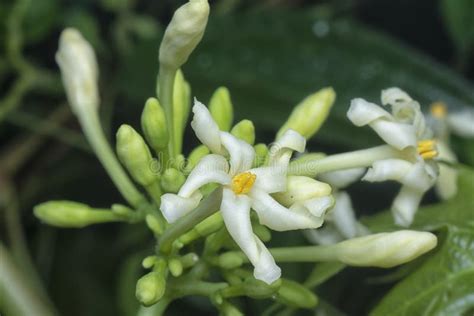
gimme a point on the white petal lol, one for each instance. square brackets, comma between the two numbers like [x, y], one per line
[419, 178]
[362, 113]
[210, 169]
[174, 206]
[394, 95]
[446, 185]
[342, 178]
[280, 152]
[241, 154]
[205, 127]
[277, 217]
[270, 179]
[266, 269]
[462, 123]
[398, 135]
[318, 206]
[326, 235]
[405, 206]
[343, 216]
[388, 169]
[235, 211]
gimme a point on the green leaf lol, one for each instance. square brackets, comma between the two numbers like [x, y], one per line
[444, 283]
[459, 18]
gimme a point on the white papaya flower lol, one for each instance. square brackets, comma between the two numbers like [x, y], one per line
[244, 188]
[405, 130]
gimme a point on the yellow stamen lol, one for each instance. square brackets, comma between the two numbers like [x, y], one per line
[427, 149]
[243, 182]
[439, 109]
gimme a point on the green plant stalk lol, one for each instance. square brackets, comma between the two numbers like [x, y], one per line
[91, 126]
[206, 208]
[164, 92]
[354, 159]
[18, 298]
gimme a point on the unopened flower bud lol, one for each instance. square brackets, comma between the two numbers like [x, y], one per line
[385, 250]
[79, 71]
[261, 152]
[230, 260]
[172, 180]
[133, 152]
[221, 108]
[183, 33]
[245, 131]
[296, 295]
[70, 214]
[253, 288]
[154, 125]
[150, 288]
[300, 188]
[309, 115]
[181, 107]
[175, 266]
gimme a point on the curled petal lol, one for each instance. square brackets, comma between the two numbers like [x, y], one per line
[343, 216]
[362, 113]
[388, 169]
[266, 269]
[281, 150]
[174, 206]
[241, 153]
[279, 218]
[461, 123]
[420, 177]
[394, 96]
[210, 169]
[205, 127]
[319, 205]
[270, 179]
[405, 206]
[326, 235]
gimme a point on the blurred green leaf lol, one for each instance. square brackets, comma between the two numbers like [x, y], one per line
[444, 283]
[459, 19]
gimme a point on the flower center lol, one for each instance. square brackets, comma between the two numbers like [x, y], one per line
[439, 110]
[427, 149]
[243, 182]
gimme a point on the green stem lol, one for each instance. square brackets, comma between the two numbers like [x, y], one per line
[165, 95]
[92, 129]
[18, 297]
[355, 159]
[206, 208]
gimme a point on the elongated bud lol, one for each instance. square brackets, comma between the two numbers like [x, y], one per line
[245, 131]
[385, 250]
[154, 125]
[206, 227]
[300, 188]
[221, 108]
[133, 152]
[195, 156]
[309, 115]
[261, 153]
[296, 295]
[181, 107]
[172, 180]
[184, 33]
[230, 260]
[150, 288]
[71, 214]
[79, 71]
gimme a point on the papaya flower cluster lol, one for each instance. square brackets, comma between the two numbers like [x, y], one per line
[231, 194]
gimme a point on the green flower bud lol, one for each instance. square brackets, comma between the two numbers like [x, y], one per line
[300, 188]
[261, 152]
[175, 266]
[172, 180]
[154, 125]
[309, 115]
[208, 226]
[133, 152]
[79, 71]
[195, 156]
[296, 295]
[149, 262]
[253, 288]
[70, 214]
[245, 131]
[154, 224]
[230, 260]
[221, 108]
[262, 232]
[385, 250]
[181, 108]
[150, 288]
[189, 260]
[183, 33]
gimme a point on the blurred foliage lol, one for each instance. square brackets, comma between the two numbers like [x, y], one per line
[270, 58]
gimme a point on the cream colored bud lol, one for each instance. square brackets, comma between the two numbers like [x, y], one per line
[300, 188]
[309, 115]
[221, 108]
[183, 33]
[79, 71]
[385, 250]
